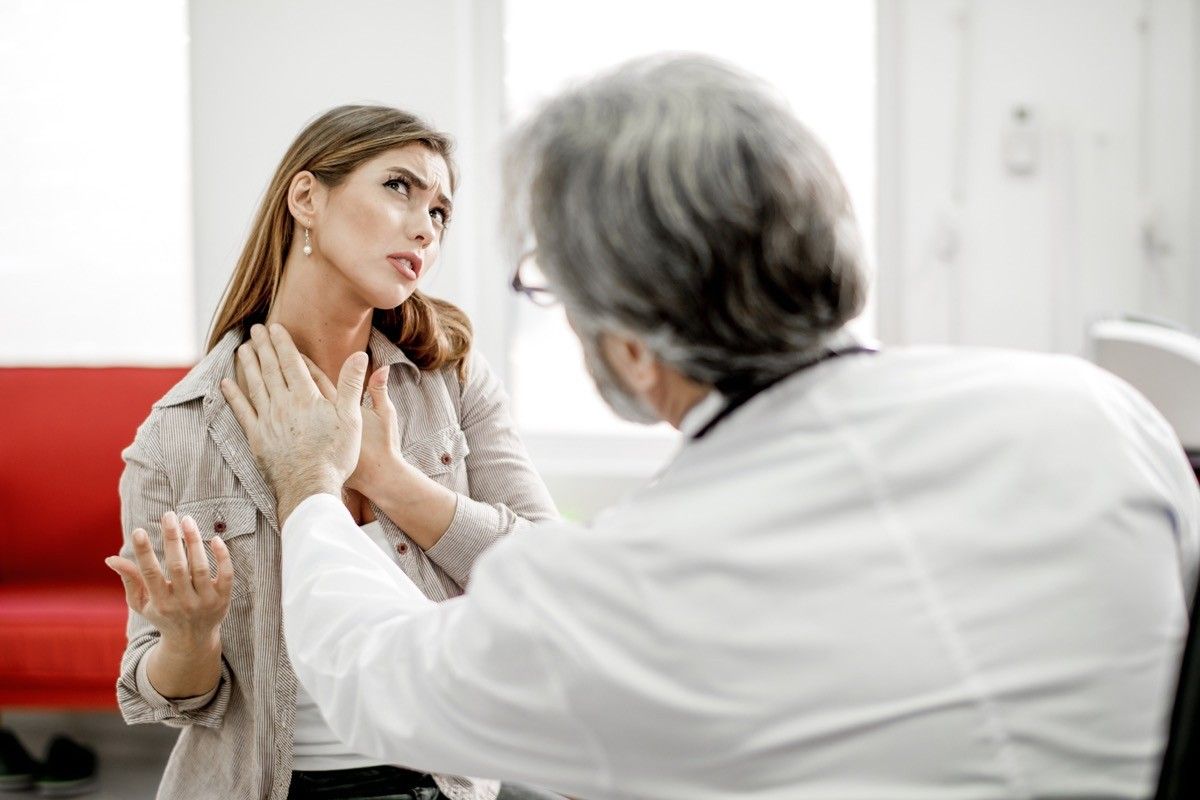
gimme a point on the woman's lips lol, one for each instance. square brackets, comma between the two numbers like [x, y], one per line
[406, 264]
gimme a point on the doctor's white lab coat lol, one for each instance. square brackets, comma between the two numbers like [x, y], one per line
[924, 573]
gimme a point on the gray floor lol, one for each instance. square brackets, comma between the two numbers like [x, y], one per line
[131, 757]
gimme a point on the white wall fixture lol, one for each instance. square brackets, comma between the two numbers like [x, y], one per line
[1022, 141]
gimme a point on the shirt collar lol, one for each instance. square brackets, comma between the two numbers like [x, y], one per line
[205, 378]
[699, 415]
[704, 411]
[385, 352]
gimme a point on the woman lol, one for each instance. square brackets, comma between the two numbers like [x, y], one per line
[353, 218]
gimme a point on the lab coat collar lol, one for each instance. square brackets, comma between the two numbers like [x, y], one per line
[699, 415]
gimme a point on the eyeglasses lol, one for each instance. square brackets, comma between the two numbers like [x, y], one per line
[529, 281]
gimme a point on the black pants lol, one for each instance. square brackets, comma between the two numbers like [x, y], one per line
[387, 783]
[377, 783]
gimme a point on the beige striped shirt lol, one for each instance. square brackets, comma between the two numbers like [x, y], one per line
[191, 456]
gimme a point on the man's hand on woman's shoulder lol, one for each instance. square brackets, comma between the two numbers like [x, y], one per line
[306, 441]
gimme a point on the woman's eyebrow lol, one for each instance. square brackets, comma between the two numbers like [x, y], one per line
[421, 184]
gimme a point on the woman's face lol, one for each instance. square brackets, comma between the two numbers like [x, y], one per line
[382, 227]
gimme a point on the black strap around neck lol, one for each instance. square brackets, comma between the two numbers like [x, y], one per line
[741, 398]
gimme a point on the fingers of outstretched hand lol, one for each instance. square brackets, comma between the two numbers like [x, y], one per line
[350, 383]
[197, 558]
[147, 562]
[174, 555]
[268, 361]
[136, 594]
[223, 582]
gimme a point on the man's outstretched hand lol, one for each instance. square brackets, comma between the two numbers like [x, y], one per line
[304, 443]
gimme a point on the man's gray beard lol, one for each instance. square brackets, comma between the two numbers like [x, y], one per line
[623, 403]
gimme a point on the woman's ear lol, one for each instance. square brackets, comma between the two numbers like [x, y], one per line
[305, 198]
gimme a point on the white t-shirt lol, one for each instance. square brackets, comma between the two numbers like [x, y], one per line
[314, 745]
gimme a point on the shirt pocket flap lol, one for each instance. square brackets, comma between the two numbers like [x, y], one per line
[227, 517]
[438, 453]
[231, 518]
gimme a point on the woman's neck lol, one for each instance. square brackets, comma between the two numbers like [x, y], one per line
[325, 319]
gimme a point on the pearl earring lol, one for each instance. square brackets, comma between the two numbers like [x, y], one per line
[307, 243]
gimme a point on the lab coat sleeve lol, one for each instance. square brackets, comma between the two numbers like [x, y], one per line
[470, 686]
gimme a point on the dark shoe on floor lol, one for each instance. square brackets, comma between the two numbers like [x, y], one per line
[17, 767]
[69, 770]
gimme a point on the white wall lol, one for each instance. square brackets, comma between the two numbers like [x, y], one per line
[95, 261]
[1036, 255]
[262, 70]
[972, 253]
[1193, 68]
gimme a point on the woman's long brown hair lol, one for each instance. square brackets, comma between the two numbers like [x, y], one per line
[432, 332]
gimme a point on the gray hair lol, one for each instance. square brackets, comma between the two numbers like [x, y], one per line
[676, 199]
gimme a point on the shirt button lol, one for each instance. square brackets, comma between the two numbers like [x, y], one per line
[446, 459]
[402, 548]
[219, 526]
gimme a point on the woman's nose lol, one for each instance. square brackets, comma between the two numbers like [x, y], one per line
[421, 229]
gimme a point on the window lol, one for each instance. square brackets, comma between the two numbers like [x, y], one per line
[95, 251]
[819, 53]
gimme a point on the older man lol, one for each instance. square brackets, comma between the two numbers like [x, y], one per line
[913, 573]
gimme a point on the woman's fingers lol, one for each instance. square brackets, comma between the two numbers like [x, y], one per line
[151, 571]
[197, 558]
[377, 389]
[191, 593]
[135, 587]
[350, 384]
[223, 583]
[174, 555]
[326, 387]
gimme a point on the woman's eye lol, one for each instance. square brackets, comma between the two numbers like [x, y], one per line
[439, 214]
[398, 185]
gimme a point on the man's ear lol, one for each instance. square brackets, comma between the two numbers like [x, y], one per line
[306, 197]
[632, 360]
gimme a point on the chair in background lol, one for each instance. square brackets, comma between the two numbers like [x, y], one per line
[1163, 363]
[1180, 775]
[62, 611]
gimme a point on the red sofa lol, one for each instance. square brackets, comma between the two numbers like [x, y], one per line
[62, 612]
